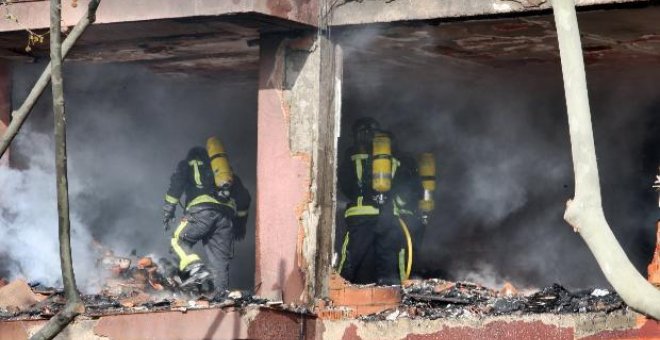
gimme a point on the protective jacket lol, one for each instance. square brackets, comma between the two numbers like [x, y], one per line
[194, 178]
[355, 183]
[374, 229]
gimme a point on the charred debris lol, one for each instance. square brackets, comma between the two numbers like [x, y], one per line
[142, 285]
[434, 299]
[128, 285]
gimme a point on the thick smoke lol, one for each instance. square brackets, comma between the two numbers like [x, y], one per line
[29, 212]
[501, 141]
[127, 129]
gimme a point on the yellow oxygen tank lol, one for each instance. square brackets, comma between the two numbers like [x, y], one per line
[382, 163]
[219, 162]
[427, 173]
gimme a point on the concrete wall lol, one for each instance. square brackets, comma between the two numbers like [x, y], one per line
[217, 324]
[295, 167]
[543, 326]
[35, 14]
[298, 109]
[364, 12]
[263, 323]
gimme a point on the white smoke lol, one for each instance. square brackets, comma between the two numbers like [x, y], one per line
[28, 219]
[127, 128]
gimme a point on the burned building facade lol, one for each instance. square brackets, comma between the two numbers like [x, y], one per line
[283, 80]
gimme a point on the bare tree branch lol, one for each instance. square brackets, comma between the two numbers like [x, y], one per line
[74, 305]
[585, 211]
[19, 116]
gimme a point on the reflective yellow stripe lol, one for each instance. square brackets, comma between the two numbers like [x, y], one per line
[395, 165]
[184, 259]
[198, 178]
[398, 210]
[366, 210]
[171, 199]
[242, 213]
[358, 158]
[208, 199]
[361, 210]
[344, 249]
[179, 228]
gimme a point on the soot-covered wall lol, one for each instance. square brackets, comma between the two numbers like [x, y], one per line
[500, 136]
[127, 129]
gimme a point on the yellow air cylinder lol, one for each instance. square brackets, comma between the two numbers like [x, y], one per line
[427, 173]
[382, 163]
[219, 162]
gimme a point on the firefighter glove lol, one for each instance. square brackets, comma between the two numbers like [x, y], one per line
[168, 213]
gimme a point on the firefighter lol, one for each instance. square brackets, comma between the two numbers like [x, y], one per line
[215, 213]
[374, 238]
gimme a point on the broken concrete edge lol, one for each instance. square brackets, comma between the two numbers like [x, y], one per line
[370, 12]
[191, 324]
[623, 324]
[261, 322]
[34, 14]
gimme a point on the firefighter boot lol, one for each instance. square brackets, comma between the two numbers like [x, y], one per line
[199, 279]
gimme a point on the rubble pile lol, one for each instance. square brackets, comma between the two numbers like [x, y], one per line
[127, 286]
[433, 299]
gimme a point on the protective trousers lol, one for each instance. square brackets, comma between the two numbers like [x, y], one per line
[214, 229]
[370, 252]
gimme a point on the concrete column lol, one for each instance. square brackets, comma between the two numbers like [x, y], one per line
[5, 105]
[295, 167]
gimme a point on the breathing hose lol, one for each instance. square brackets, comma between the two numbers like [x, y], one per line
[406, 232]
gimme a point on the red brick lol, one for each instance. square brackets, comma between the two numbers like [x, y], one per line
[383, 295]
[358, 296]
[337, 296]
[17, 294]
[337, 282]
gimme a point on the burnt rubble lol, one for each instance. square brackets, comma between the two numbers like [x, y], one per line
[433, 299]
[128, 286]
[141, 286]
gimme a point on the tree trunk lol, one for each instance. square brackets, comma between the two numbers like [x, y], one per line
[585, 211]
[18, 117]
[74, 305]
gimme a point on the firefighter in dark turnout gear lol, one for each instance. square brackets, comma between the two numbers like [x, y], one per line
[374, 239]
[216, 216]
[361, 213]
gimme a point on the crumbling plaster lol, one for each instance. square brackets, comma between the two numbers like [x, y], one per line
[219, 324]
[290, 158]
[544, 326]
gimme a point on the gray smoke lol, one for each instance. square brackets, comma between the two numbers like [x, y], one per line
[29, 218]
[501, 141]
[127, 129]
